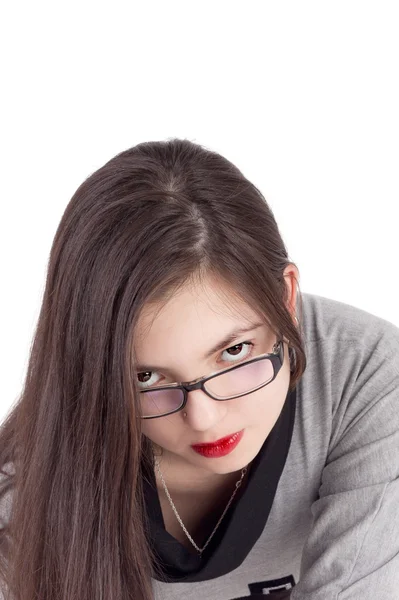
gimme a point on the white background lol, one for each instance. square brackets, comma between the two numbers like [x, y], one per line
[302, 96]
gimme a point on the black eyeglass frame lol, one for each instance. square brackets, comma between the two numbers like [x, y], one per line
[276, 357]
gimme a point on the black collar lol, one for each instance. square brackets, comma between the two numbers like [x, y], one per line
[244, 521]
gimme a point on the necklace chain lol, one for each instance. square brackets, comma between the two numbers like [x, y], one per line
[200, 550]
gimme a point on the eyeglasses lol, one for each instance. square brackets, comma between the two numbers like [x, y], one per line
[226, 384]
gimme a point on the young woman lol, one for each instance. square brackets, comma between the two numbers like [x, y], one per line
[190, 424]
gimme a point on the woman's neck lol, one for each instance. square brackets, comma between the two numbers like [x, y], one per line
[182, 479]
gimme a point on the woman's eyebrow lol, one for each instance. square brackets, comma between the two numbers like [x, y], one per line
[228, 340]
[232, 337]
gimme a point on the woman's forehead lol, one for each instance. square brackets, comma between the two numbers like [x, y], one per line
[194, 307]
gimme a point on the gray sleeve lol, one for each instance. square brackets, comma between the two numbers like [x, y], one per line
[352, 550]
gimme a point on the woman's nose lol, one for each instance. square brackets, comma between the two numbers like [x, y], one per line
[202, 411]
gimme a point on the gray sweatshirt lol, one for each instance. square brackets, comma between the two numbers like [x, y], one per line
[324, 523]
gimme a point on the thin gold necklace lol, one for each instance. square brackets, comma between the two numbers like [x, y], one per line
[199, 550]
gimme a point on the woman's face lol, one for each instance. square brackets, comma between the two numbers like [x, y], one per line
[178, 340]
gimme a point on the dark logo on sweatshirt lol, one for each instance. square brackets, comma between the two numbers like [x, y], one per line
[273, 589]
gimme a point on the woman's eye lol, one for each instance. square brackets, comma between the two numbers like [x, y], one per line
[146, 379]
[239, 351]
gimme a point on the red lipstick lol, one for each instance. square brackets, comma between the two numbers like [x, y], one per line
[220, 447]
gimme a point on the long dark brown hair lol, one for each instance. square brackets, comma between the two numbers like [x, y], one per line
[71, 449]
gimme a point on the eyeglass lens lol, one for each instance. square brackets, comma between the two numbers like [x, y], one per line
[238, 381]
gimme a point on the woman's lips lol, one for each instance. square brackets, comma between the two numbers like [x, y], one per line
[220, 447]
